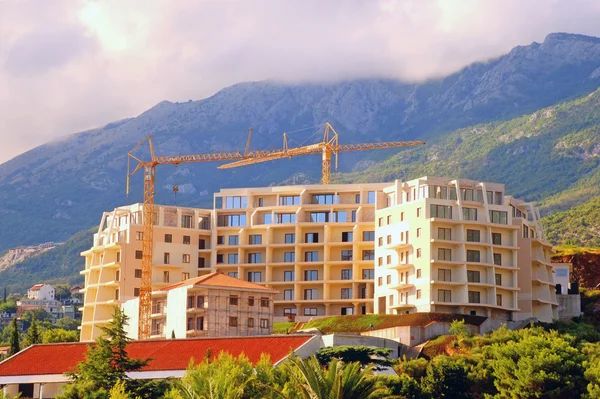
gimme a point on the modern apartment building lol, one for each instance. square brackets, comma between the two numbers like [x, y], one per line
[427, 245]
[213, 305]
[461, 246]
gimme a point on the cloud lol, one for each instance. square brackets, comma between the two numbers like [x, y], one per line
[68, 65]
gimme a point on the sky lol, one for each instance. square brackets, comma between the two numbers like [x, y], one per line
[71, 65]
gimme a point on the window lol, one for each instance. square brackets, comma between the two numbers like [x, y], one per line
[311, 256]
[190, 324]
[347, 236]
[391, 299]
[311, 237]
[444, 234]
[473, 276]
[201, 262]
[388, 260]
[388, 220]
[138, 254]
[418, 273]
[469, 213]
[251, 320]
[499, 217]
[310, 311]
[311, 275]
[311, 294]
[289, 257]
[324, 199]
[200, 301]
[388, 279]
[236, 202]
[167, 258]
[473, 256]
[289, 275]
[357, 199]
[168, 238]
[186, 221]
[138, 273]
[380, 261]
[233, 274]
[254, 277]
[319, 217]
[402, 216]
[474, 297]
[220, 240]
[371, 197]
[346, 293]
[498, 259]
[473, 235]
[139, 235]
[232, 259]
[418, 212]
[231, 220]
[199, 323]
[288, 295]
[187, 240]
[368, 274]
[185, 276]
[498, 279]
[444, 274]
[220, 258]
[418, 252]
[339, 216]
[379, 281]
[282, 218]
[191, 302]
[346, 274]
[287, 200]
[251, 301]
[233, 322]
[255, 258]
[290, 238]
[418, 232]
[444, 296]
[497, 238]
[353, 217]
[498, 299]
[233, 300]
[441, 211]
[368, 236]
[185, 258]
[290, 311]
[118, 256]
[347, 254]
[467, 194]
[267, 218]
[233, 240]
[166, 277]
[388, 239]
[380, 241]
[255, 239]
[261, 202]
[368, 254]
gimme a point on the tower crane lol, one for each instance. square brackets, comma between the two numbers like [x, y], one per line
[327, 147]
[149, 168]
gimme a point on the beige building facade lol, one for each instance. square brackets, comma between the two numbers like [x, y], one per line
[430, 244]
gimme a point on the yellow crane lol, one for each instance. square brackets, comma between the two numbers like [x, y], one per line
[327, 147]
[149, 168]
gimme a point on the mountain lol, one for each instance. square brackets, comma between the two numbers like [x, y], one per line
[62, 187]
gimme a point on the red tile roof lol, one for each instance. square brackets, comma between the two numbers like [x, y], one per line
[36, 287]
[172, 354]
[219, 280]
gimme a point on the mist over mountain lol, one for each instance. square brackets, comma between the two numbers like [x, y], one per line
[62, 187]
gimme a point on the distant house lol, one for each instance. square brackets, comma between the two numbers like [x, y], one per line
[41, 292]
[4, 350]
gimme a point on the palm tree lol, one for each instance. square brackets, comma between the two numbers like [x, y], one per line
[338, 381]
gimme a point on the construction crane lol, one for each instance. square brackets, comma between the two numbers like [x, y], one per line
[149, 168]
[327, 147]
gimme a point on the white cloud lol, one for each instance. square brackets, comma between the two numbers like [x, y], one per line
[67, 65]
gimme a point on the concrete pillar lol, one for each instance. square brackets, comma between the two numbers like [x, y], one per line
[41, 391]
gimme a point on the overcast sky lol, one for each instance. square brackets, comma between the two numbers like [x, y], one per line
[68, 65]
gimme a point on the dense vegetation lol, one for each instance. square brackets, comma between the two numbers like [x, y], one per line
[579, 226]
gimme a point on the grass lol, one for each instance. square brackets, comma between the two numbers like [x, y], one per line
[565, 250]
[282, 327]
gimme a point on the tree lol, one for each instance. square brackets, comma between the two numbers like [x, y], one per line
[33, 334]
[5, 296]
[62, 291]
[68, 324]
[39, 314]
[401, 386]
[55, 335]
[445, 379]
[592, 369]
[8, 307]
[15, 341]
[458, 328]
[118, 391]
[106, 363]
[365, 355]
[539, 365]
